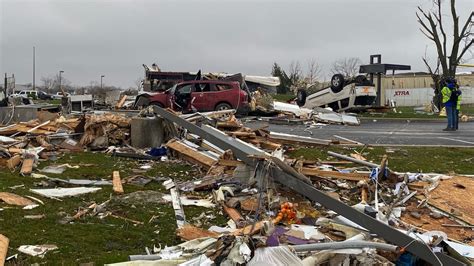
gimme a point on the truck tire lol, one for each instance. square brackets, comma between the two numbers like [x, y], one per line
[301, 97]
[361, 79]
[337, 83]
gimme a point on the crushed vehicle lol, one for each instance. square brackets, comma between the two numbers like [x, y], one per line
[199, 96]
[343, 94]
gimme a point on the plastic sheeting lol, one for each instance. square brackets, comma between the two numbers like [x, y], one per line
[276, 256]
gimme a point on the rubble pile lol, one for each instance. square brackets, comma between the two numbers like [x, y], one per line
[280, 210]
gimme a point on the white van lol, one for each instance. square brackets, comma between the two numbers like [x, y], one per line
[344, 94]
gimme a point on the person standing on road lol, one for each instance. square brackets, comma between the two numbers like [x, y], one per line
[449, 101]
[458, 107]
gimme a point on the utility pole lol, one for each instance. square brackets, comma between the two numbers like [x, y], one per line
[5, 85]
[34, 85]
[101, 77]
[60, 87]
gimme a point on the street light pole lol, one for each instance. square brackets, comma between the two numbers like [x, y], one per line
[60, 87]
[101, 77]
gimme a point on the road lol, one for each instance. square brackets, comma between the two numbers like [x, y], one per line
[384, 132]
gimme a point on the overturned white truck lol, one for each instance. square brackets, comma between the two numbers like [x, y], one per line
[343, 94]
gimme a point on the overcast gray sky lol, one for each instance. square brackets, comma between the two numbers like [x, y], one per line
[89, 38]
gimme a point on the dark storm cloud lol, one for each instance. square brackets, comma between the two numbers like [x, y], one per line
[90, 38]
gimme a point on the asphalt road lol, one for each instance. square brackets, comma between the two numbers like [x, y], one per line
[384, 132]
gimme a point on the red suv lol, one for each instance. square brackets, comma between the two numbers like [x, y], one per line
[202, 96]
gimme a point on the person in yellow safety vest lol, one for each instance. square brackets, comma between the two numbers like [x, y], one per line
[458, 108]
[450, 101]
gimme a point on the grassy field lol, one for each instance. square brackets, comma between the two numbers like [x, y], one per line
[91, 239]
[406, 159]
[283, 97]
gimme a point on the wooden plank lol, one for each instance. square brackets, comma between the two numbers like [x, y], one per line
[190, 232]
[333, 174]
[13, 162]
[27, 166]
[14, 199]
[15, 150]
[178, 208]
[117, 182]
[3, 249]
[240, 134]
[234, 215]
[121, 102]
[249, 229]
[200, 158]
[232, 163]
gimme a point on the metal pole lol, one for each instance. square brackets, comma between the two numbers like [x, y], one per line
[102, 76]
[5, 85]
[34, 66]
[60, 85]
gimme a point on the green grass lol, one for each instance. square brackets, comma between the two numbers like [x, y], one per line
[91, 239]
[406, 159]
[283, 97]
[109, 240]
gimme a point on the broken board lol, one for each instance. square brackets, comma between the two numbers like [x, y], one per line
[27, 166]
[13, 199]
[453, 198]
[190, 232]
[117, 182]
[3, 249]
[13, 162]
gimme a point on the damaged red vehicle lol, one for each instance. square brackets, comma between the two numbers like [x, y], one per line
[199, 96]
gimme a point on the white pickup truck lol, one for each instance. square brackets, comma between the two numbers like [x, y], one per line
[344, 94]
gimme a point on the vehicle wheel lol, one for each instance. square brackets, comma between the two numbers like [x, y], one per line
[157, 104]
[337, 83]
[301, 97]
[223, 106]
[361, 79]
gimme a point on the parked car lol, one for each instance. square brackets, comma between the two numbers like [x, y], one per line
[59, 95]
[199, 96]
[44, 96]
[343, 94]
[26, 94]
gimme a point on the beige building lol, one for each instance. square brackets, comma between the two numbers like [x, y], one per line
[416, 89]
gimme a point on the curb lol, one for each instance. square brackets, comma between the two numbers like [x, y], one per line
[433, 120]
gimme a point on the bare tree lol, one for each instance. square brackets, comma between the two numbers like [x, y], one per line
[48, 83]
[314, 71]
[433, 27]
[138, 83]
[295, 75]
[349, 67]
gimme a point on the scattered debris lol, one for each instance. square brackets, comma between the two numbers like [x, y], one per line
[56, 193]
[3, 248]
[36, 250]
[13, 199]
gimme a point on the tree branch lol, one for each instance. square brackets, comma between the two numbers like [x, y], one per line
[463, 51]
[440, 23]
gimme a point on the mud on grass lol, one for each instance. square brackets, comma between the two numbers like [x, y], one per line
[91, 239]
